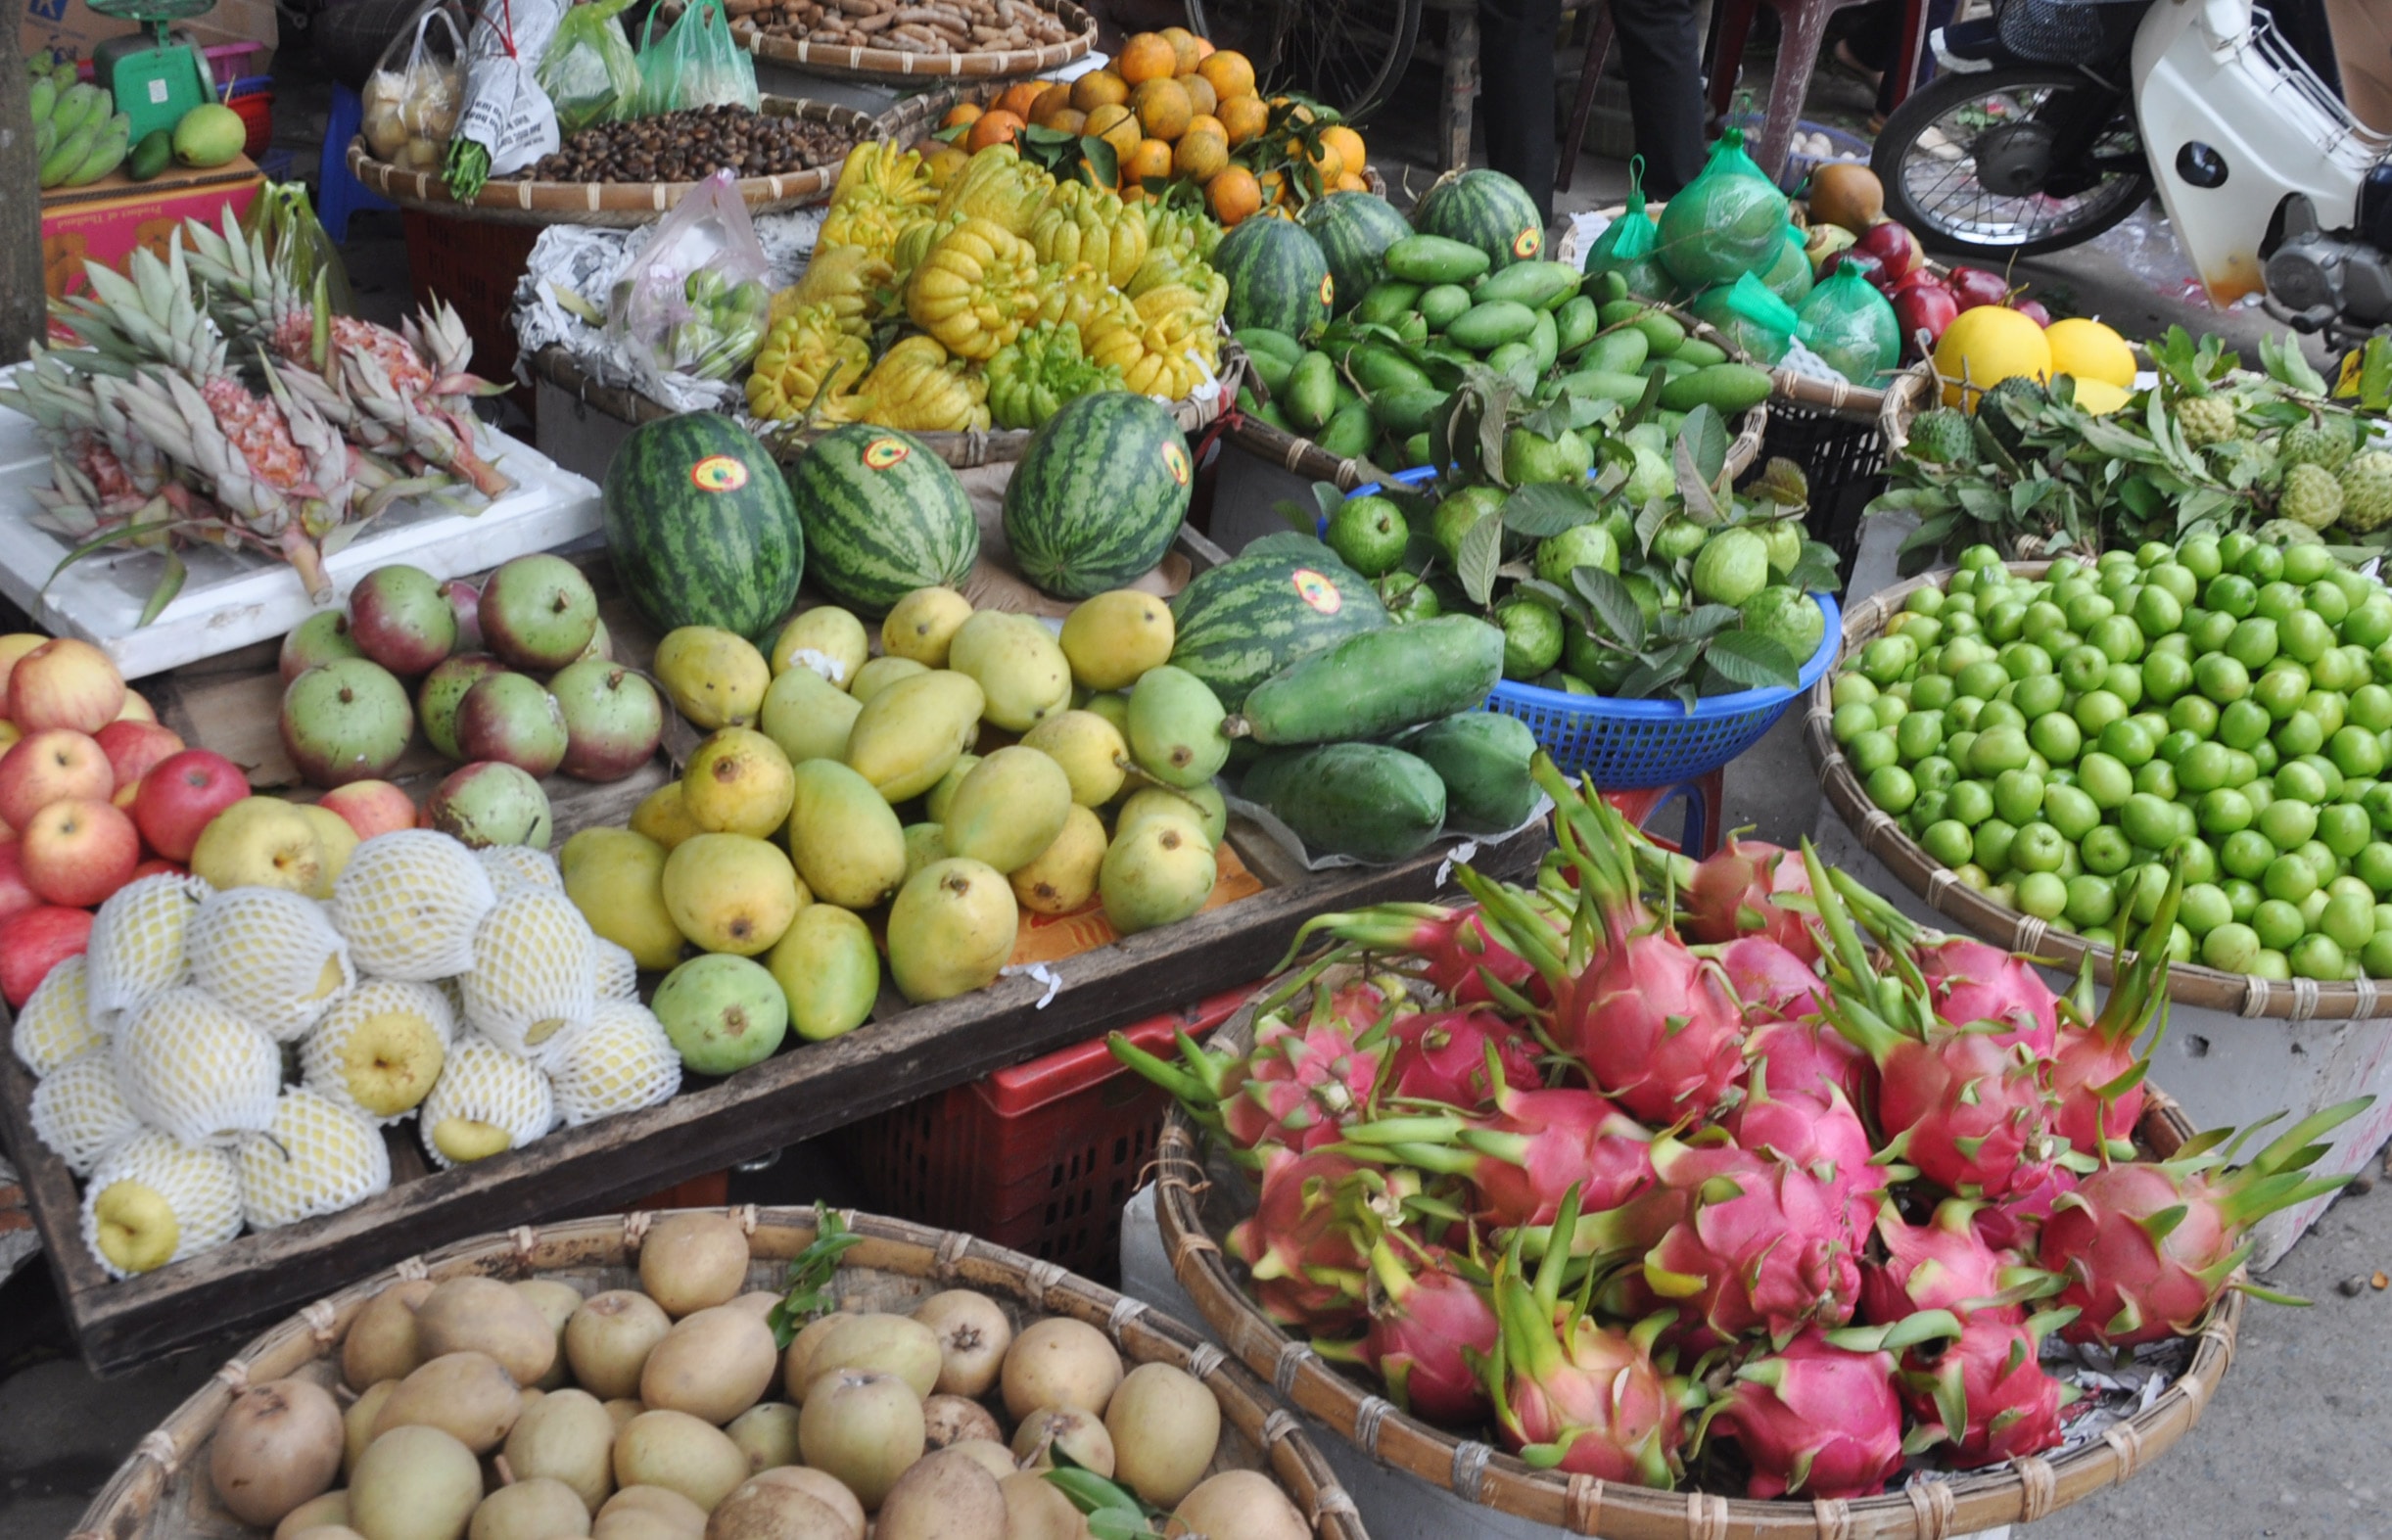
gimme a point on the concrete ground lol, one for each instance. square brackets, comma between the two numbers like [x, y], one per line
[2292, 1447]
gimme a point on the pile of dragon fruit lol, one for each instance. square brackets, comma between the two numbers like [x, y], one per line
[1717, 1173]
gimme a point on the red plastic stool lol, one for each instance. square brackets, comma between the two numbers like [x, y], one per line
[1706, 800]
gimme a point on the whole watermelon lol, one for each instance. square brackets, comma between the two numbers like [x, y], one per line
[701, 526]
[1099, 494]
[1288, 597]
[1486, 210]
[1353, 229]
[1278, 277]
[883, 515]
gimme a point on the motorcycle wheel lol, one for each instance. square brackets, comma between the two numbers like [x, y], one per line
[1941, 148]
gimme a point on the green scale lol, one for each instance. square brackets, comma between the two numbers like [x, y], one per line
[154, 77]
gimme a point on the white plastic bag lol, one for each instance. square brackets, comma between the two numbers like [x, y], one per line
[410, 101]
[692, 297]
[505, 113]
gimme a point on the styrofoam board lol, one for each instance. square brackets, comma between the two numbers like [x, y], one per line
[232, 599]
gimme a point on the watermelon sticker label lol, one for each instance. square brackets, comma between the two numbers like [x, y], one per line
[1317, 590]
[1329, 289]
[1175, 460]
[1524, 244]
[718, 472]
[882, 453]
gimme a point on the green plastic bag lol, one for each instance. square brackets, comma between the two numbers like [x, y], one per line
[695, 63]
[1850, 324]
[589, 71]
[1625, 246]
[1749, 315]
[1788, 273]
[1725, 222]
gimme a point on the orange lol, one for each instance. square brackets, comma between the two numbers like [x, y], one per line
[1095, 178]
[1099, 88]
[1201, 124]
[1147, 57]
[1350, 151]
[1200, 95]
[1200, 156]
[1116, 126]
[1053, 100]
[943, 163]
[1350, 184]
[1229, 73]
[1184, 54]
[1242, 117]
[961, 113]
[1232, 194]
[1151, 157]
[1071, 120]
[1019, 97]
[1205, 49]
[1273, 187]
[1162, 108]
[997, 127]
[1329, 163]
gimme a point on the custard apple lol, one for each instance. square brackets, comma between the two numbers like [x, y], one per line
[2314, 443]
[2205, 419]
[2311, 497]
[1942, 436]
[2367, 491]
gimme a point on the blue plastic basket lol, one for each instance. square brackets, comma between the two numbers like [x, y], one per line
[1623, 744]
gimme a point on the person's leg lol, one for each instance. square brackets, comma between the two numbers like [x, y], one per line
[1661, 51]
[2362, 46]
[1517, 40]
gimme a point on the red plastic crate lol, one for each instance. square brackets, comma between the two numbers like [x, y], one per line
[473, 264]
[1039, 1157]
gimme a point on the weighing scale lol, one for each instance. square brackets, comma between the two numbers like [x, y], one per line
[156, 76]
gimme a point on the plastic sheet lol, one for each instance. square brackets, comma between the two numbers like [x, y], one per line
[1756, 320]
[1850, 324]
[695, 63]
[1725, 222]
[589, 71]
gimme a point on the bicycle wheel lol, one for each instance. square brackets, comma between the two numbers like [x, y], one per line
[2012, 163]
[1345, 54]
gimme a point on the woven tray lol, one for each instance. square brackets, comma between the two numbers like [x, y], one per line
[162, 1492]
[2188, 983]
[1196, 1206]
[615, 204]
[892, 66]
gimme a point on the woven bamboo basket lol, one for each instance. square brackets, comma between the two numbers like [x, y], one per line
[1197, 1203]
[162, 1492]
[614, 204]
[2188, 983]
[896, 66]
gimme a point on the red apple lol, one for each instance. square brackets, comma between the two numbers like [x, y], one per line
[1867, 266]
[132, 747]
[52, 765]
[181, 795]
[1923, 304]
[78, 853]
[65, 683]
[1894, 247]
[136, 708]
[2033, 311]
[14, 893]
[34, 941]
[1974, 286]
[157, 867]
[14, 645]
[371, 807]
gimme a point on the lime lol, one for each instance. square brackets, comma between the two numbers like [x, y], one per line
[2038, 846]
[2370, 622]
[2301, 734]
[1994, 837]
[2288, 879]
[1934, 693]
[1531, 637]
[2148, 821]
[1369, 535]
[2198, 713]
[2071, 811]
[2107, 781]
[2204, 907]
[1559, 555]
[2220, 679]
[2231, 948]
[2261, 564]
[1935, 772]
[2316, 957]
[2156, 776]
[1890, 787]
[2307, 563]
[2287, 822]
[2277, 923]
[2329, 603]
[2104, 851]
[1458, 512]
[2244, 724]
[2222, 812]
[1947, 842]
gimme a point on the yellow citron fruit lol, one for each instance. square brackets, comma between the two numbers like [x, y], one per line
[663, 818]
[881, 672]
[1985, 347]
[1018, 664]
[716, 678]
[731, 893]
[828, 966]
[828, 639]
[1063, 876]
[912, 732]
[1094, 754]
[2090, 351]
[919, 625]
[738, 783]
[1009, 808]
[1114, 638]
[808, 715]
[616, 878]
[846, 840]
[2100, 398]
[951, 930]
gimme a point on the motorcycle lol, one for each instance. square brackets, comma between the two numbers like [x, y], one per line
[2054, 119]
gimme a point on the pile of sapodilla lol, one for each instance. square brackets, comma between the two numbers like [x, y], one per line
[491, 1411]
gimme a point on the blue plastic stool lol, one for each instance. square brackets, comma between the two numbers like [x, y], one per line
[339, 194]
[1706, 800]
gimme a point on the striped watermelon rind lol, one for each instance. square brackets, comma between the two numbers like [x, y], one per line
[1484, 209]
[701, 526]
[1099, 494]
[883, 516]
[1353, 230]
[1248, 618]
[1278, 277]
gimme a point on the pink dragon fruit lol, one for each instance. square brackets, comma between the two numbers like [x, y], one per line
[2013, 1223]
[1814, 1420]
[1968, 981]
[1736, 891]
[1307, 1241]
[2095, 1070]
[1819, 1133]
[1762, 1247]
[1463, 961]
[2148, 1247]
[1442, 1058]
[1810, 1056]
[1947, 1264]
[1536, 1147]
[1771, 982]
[1432, 1332]
[1985, 1394]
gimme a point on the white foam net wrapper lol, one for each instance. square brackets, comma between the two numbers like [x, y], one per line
[514, 868]
[318, 1159]
[484, 1083]
[535, 979]
[409, 902]
[618, 972]
[272, 955]
[200, 1185]
[188, 1065]
[56, 1022]
[137, 940]
[78, 1111]
[624, 1062]
[390, 1037]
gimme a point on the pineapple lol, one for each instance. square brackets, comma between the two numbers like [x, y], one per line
[487, 1102]
[317, 1158]
[155, 1199]
[78, 1111]
[137, 940]
[188, 1065]
[56, 1022]
[272, 957]
[408, 903]
[624, 1062]
[535, 978]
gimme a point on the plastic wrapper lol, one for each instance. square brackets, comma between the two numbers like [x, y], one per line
[1724, 223]
[692, 298]
[1787, 274]
[507, 122]
[1756, 321]
[589, 71]
[297, 245]
[1626, 245]
[411, 99]
[1850, 324]
[696, 62]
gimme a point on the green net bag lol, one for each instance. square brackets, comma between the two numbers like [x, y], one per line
[1788, 274]
[589, 71]
[1850, 324]
[1749, 315]
[695, 63]
[1725, 222]
[1625, 246]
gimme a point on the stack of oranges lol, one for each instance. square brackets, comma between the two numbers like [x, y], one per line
[1172, 107]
